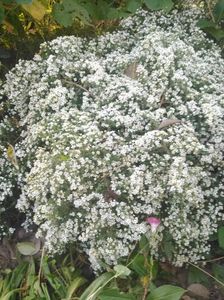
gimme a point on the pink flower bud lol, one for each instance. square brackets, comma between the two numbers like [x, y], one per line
[154, 222]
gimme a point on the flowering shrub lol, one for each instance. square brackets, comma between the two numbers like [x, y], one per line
[120, 128]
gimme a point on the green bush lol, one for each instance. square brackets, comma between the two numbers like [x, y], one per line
[120, 128]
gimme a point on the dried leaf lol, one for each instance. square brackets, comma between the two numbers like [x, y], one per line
[131, 71]
[11, 154]
[36, 9]
[168, 122]
[199, 290]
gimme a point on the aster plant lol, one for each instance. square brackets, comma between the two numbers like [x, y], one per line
[118, 129]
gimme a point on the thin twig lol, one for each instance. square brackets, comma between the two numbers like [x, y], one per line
[211, 260]
[145, 292]
[71, 83]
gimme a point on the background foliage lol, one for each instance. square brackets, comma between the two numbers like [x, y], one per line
[27, 23]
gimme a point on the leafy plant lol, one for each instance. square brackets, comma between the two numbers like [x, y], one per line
[30, 280]
[213, 24]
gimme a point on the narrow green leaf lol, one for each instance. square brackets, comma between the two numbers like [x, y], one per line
[45, 291]
[166, 292]
[77, 282]
[93, 290]
[10, 294]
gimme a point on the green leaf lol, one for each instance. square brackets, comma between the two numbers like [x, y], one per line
[218, 271]
[26, 248]
[205, 23]
[211, 28]
[218, 10]
[77, 282]
[121, 271]
[166, 292]
[197, 276]
[95, 287]
[221, 237]
[165, 5]
[144, 243]
[217, 33]
[132, 5]
[114, 294]
[10, 294]
[66, 12]
[138, 265]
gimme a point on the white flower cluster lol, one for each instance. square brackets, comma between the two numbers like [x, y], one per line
[119, 128]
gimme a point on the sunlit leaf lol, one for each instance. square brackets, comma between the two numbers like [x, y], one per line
[121, 270]
[36, 9]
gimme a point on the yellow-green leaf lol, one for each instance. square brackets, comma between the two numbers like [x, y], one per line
[36, 9]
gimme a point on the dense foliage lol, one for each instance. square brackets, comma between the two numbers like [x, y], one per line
[116, 129]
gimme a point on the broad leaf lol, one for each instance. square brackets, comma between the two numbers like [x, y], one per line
[197, 276]
[26, 248]
[132, 5]
[66, 12]
[114, 294]
[166, 292]
[138, 265]
[205, 23]
[165, 5]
